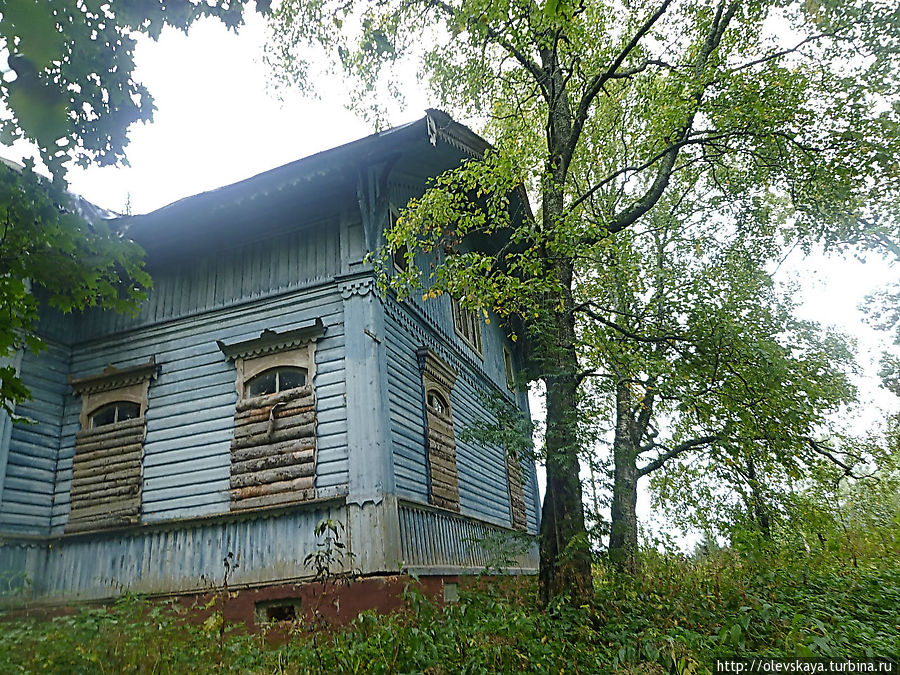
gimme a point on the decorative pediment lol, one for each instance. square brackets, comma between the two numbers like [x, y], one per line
[270, 342]
[115, 378]
[435, 369]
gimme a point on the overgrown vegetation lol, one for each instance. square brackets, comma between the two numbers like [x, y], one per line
[676, 615]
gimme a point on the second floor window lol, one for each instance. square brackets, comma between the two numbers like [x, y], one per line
[467, 326]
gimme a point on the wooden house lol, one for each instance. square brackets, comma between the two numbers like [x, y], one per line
[266, 385]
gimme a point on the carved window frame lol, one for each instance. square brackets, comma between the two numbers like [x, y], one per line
[398, 257]
[273, 450]
[518, 515]
[440, 443]
[107, 467]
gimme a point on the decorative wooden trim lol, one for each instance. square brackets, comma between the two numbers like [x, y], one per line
[436, 369]
[443, 478]
[115, 378]
[356, 285]
[270, 342]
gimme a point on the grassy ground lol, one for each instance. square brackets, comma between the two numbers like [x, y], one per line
[676, 616]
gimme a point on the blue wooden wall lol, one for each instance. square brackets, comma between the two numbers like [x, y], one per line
[483, 487]
[190, 417]
[26, 502]
[482, 470]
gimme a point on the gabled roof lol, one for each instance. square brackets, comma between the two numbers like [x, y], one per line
[249, 209]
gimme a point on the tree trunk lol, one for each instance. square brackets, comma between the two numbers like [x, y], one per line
[565, 565]
[565, 551]
[758, 509]
[623, 540]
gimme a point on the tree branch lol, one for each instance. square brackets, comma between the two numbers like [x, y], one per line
[527, 63]
[624, 331]
[674, 452]
[664, 172]
[596, 84]
[828, 453]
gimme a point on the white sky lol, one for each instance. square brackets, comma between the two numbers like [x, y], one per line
[215, 121]
[216, 124]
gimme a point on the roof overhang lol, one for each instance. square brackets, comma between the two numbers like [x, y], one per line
[301, 191]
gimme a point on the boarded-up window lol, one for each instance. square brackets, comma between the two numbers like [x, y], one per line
[467, 326]
[518, 516]
[107, 467]
[438, 379]
[273, 452]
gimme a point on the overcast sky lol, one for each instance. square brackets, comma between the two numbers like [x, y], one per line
[216, 123]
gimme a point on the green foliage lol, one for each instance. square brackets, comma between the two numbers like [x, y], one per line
[73, 93]
[678, 613]
[609, 113]
[70, 91]
[46, 242]
[331, 557]
[503, 425]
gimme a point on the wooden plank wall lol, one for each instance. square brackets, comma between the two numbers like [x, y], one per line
[27, 499]
[106, 476]
[439, 315]
[516, 493]
[443, 542]
[483, 487]
[444, 476]
[190, 418]
[187, 557]
[218, 280]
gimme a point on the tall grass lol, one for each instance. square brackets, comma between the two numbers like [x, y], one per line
[676, 615]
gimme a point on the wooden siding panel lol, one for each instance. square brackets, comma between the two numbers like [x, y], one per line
[273, 454]
[221, 279]
[437, 540]
[439, 314]
[157, 560]
[34, 448]
[482, 471]
[190, 418]
[405, 405]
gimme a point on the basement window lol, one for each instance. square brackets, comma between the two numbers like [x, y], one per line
[273, 611]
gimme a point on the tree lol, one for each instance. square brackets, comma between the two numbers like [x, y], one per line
[70, 90]
[45, 241]
[595, 107]
[700, 357]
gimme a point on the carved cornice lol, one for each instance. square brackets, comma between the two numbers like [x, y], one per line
[434, 368]
[115, 378]
[270, 342]
[362, 286]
